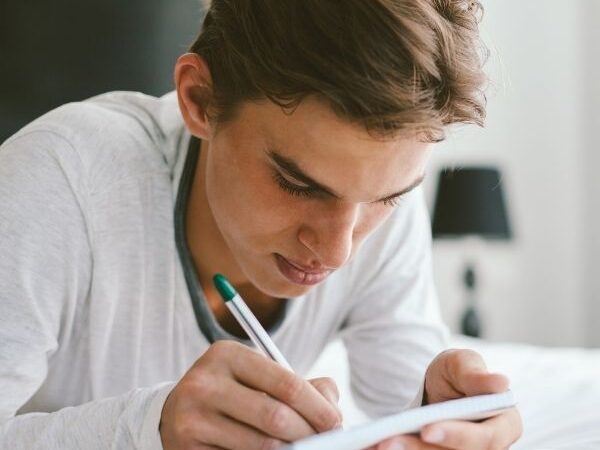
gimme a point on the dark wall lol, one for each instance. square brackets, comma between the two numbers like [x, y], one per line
[53, 52]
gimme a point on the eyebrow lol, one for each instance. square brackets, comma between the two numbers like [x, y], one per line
[290, 167]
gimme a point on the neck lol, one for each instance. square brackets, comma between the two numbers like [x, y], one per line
[208, 248]
[211, 255]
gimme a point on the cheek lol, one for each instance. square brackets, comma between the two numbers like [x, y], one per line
[267, 216]
[251, 208]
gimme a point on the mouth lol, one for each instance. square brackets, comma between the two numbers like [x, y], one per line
[298, 275]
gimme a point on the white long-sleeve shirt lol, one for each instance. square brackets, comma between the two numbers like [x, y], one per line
[97, 320]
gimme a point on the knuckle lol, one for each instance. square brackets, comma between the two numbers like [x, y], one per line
[201, 385]
[184, 426]
[448, 353]
[197, 390]
[181, 395]
[455, 361]
[277, 418]
[223, 348]
[469, 352]
[442, 360]
[291, 387]
[459, 356]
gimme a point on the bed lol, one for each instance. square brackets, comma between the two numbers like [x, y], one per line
[558, 390]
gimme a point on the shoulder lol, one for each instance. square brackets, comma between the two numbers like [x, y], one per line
[103, 139]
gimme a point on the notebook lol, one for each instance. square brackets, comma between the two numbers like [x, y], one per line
[410, 421]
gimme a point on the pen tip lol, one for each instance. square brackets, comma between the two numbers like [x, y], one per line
[224, 287]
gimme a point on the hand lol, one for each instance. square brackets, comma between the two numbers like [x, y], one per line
[236, 399]
[455, 374]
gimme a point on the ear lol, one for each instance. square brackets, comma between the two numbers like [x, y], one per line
[194, 88]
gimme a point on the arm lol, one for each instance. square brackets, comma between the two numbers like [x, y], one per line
[129, 421]
[393, 336]
[45, 271]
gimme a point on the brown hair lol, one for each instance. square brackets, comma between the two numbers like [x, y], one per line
[390, 65]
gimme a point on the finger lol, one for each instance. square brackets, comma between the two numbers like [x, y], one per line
[468, 374]
[262, 374]
[328, 389]
[224, 432]
[498, 432]
[263, 412]
[407, 442]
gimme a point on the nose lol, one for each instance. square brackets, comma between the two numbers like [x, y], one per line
[328, 233]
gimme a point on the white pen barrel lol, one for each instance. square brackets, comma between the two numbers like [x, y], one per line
[255, 331]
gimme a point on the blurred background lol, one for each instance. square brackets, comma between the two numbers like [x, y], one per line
[538, 283]
[67, 50]
[542, 285]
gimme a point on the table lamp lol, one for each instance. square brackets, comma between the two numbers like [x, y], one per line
[469, 203]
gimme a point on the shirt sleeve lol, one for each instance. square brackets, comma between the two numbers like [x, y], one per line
[128, 421]
[394, 328]
[45, 271]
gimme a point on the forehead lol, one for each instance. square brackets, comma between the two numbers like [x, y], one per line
[333, 149]
[314, 125]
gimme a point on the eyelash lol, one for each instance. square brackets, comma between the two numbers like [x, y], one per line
[391, 202]
[292, 189]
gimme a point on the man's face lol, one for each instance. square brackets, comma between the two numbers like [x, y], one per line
[294, 195]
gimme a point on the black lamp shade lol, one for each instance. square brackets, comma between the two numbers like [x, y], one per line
[469, 201]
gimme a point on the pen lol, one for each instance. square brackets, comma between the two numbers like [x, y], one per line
[248, 320]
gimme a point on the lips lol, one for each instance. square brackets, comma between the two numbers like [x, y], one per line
[298, 274]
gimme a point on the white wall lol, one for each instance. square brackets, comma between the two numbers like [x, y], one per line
[532, 289]
[592, 164]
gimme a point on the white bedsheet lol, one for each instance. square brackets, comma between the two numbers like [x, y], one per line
[558, 390]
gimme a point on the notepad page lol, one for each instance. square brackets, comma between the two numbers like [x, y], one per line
[411, 421]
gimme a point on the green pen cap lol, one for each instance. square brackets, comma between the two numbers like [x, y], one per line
[224, 287]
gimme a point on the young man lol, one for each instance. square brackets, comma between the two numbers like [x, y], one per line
[289, 161]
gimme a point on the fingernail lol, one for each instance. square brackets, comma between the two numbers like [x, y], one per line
[433, 435]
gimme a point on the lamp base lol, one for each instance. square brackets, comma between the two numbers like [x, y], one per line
[470, 324]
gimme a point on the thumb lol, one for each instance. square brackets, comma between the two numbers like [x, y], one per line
[459, 373]
[471, 377]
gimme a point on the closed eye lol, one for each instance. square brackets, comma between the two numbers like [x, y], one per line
[292, 188]
[393, 201]
[290, 177]
[311, 192]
